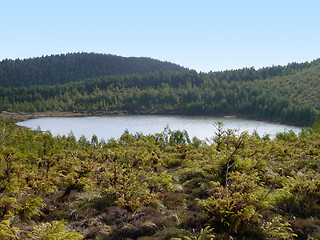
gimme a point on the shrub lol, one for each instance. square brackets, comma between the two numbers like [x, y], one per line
[56, 230]
[6, 231]
[278, 229]
[235, 207]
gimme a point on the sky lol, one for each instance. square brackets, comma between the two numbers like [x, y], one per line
[205, 35]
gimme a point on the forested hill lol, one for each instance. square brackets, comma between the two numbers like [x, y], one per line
[73, 67]
[251, 74]
[302, 87]
[287, 94]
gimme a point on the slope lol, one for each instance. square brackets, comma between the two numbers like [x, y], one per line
[73, 67]
[301, 87]
[185, 92]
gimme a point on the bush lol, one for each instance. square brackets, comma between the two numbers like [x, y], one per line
[170, 233]
[56, 230]
[233, 208]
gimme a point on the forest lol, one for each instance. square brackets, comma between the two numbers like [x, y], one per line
[285, 94]
[161, 186]
[73, 67]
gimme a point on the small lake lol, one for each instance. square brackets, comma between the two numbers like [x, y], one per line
[107, 127]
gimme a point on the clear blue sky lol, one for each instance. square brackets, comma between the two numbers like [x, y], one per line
[199, 34]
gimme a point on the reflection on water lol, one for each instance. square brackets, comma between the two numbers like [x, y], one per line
[107, 127]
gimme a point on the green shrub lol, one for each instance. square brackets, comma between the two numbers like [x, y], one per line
[56, 230]
[7, 232]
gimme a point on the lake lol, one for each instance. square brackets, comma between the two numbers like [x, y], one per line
[113, 126]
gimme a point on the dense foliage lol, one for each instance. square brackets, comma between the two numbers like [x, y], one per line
[162, 186]
[302, 87]
[97, 83]
[186, 92]
[65, 68]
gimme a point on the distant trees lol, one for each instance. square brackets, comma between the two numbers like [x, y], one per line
[279, 93]
[74, 67]
[180, 93]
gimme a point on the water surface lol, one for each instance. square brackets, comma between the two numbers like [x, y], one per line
[106, 127]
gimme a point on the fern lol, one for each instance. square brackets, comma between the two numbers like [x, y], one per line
[6, 231]
[53, 231]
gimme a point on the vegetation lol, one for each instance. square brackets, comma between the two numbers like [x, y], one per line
[161, 186]
[187, 92]
[302, 87]
[96, 83]
[73, 67]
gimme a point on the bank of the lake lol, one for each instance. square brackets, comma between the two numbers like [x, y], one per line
[22, 116]
[113, 126]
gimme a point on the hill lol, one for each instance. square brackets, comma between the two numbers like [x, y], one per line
[286, 94]
[301, 87]
[73, 67]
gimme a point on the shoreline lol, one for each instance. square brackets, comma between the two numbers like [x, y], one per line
[23, 116]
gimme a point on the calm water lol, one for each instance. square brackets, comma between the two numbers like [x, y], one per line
[107, 127]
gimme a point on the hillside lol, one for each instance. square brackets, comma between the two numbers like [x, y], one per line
[170, 93]
[301, 87]
[73, 67]
[286, 94]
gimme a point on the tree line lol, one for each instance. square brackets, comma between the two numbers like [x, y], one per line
[185, 92]
[73, 67]
[88, 82]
